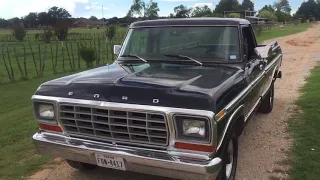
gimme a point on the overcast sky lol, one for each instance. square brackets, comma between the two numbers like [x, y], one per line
[119, 8]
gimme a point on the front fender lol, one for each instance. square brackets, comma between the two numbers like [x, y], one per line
[234, 125]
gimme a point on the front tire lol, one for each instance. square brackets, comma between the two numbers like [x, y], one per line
[266, 106]
[80, 165]
[229, 160]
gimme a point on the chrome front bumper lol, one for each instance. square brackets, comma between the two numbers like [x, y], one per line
[154, 162]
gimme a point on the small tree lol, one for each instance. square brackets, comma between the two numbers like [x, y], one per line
[88, 54]
[19, 32]
[61, 30]
[268, 15]
[47, 34]
[110, 34]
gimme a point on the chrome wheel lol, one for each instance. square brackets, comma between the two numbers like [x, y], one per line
[229, 164]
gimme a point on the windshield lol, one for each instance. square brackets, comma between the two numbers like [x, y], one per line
[201, 43]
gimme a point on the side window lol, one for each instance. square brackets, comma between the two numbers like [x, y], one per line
[248, 42]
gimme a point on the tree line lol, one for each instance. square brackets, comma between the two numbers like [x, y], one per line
[141, 9]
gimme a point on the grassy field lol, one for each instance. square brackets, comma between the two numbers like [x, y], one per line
[274, 33]
[29, 55]
[72, 30]
[306, 130]
[18, 157]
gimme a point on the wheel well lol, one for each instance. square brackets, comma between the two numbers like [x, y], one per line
[238, 126]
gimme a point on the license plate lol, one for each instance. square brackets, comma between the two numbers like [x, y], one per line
[110, 162]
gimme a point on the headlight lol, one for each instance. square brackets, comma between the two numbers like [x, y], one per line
[46, 111]
[195, 129]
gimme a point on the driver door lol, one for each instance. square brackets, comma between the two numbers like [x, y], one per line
[254, 70]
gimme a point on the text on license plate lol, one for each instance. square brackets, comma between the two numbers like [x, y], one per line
[110, 162]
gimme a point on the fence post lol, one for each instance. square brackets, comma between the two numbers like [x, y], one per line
[40, 59]
[25, 61]
[99, 52]
[78, 45]
[69, 56]
[17, 59]
[12, 73]
[5, 64]
[62, 49]
[52, 58]
[44, 59]
[56, 63]
[34, 60]
[73, 64]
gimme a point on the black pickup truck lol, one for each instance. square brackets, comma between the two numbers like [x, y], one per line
[173, 104]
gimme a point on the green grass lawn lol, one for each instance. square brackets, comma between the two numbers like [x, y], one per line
[17, 154]
[277, 32]
[306, 130]
[76, 30]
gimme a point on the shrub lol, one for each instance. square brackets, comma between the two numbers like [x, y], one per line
[111, 32]
[61, 30]
[268, 15]
[89, 26]
[37, 36]
[19, 32]
[47, 34]
[88, 54]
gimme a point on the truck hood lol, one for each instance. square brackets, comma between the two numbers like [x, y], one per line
[180, 86]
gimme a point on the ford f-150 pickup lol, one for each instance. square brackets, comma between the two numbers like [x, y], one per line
[172, 104]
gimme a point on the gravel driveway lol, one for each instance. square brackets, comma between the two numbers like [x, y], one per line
[264, 143]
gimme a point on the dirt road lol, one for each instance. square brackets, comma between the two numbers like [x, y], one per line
[265, 142]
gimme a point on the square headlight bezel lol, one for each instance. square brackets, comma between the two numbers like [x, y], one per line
[38, 118]
[178, 124]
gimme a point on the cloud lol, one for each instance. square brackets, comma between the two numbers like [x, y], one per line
[20, 8]
[95, 6]
[210, 5]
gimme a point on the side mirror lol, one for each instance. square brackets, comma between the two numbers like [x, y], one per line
[263, 52]
[116, 49]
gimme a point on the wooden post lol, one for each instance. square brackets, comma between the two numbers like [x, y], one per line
[107, 48]
[78, 46]
[40, 59]
[25, 61]
[62, 58]
[69, 56]
[17, 59]
[56, 63]
[34, 60]
[12, 73]
[5, 65]
[73, 64]
[44, 59]
[99, 52]
[52, 58]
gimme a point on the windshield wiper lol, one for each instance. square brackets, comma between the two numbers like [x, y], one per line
[134, 56]
[183, 57]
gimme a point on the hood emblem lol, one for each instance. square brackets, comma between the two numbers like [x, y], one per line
[96, 96]
[156, 101]
[124, 98]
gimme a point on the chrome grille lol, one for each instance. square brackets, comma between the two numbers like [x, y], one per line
[115, 125]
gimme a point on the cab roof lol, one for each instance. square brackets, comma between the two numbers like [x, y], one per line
[191, 22]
